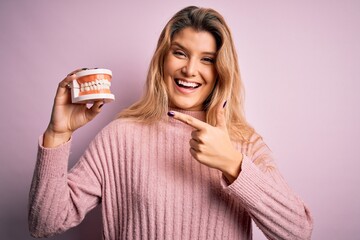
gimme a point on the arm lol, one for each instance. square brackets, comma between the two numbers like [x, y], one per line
[273, 206]
[59, 200]
[252, 177]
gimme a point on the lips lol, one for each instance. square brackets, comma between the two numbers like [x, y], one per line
[186, 84]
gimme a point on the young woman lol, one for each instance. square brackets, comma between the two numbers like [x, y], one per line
[181, 163]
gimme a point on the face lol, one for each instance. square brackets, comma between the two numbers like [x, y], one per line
[189, 69]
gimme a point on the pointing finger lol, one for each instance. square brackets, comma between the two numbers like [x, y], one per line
[189, 120]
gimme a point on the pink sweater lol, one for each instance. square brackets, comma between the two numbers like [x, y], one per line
[150, 187]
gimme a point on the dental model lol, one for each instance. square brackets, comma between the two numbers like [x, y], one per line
[91, 85]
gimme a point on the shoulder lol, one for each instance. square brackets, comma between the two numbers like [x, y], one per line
[260, 153]
[251, 140]
[254, 146]
[119, 125]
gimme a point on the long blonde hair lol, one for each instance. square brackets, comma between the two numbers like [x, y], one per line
[229, 87]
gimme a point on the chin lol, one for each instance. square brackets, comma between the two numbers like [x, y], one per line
[190, 106]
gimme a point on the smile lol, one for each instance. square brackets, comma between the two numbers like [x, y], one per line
[186, 84]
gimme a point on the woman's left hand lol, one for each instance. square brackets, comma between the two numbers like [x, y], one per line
[211, 145]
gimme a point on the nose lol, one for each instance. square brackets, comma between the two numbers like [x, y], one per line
[190, 68]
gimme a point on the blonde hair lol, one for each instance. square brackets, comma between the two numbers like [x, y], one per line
[229, 87]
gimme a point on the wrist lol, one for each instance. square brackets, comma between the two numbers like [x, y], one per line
[53, 139]
[233, 168]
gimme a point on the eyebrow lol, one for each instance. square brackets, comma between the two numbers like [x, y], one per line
[181, 46]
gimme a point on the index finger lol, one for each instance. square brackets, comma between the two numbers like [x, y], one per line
[189, 120]
[63, 85]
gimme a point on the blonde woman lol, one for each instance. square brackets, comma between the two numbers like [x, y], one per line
[181, 163]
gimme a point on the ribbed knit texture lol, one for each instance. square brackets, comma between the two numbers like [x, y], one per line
[151, 188]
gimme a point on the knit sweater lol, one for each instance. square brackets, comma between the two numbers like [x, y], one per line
[150, 187]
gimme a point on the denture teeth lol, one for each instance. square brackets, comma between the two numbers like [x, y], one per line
[100, 84]
[188, 84]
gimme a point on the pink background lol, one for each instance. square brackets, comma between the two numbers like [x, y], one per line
[300, 61]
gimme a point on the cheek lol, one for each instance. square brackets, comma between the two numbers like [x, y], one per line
[169, 65]
[168, 73]
[211, 76]
[166, 66]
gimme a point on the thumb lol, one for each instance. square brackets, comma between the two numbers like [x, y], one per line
[220, 116]
[94, 110]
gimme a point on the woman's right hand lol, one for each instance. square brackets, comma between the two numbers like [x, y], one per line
[66, 117]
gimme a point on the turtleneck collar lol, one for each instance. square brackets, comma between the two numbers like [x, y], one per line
[200, 114]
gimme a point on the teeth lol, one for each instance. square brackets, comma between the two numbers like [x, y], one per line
[98, 84]
[188, 84]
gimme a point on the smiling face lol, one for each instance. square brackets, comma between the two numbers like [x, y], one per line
[189, 69]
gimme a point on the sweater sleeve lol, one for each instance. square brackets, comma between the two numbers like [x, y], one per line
[59, 199]
[273, 206]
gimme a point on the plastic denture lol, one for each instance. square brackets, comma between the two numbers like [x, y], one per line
[91, 85]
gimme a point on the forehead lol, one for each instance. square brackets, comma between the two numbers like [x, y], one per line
[191, 39]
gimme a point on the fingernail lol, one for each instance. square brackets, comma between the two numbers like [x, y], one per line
[225, 103]
[171, 114]
[101, 105]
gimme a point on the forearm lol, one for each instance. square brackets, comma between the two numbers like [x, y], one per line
[57, 201]
[278, 212]
[47, 189]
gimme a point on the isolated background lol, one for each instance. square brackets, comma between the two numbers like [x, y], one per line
[300, 61]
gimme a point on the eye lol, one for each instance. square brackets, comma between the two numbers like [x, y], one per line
[179, 54]
[209, 60]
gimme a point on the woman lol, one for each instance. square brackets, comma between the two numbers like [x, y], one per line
[140, 168]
